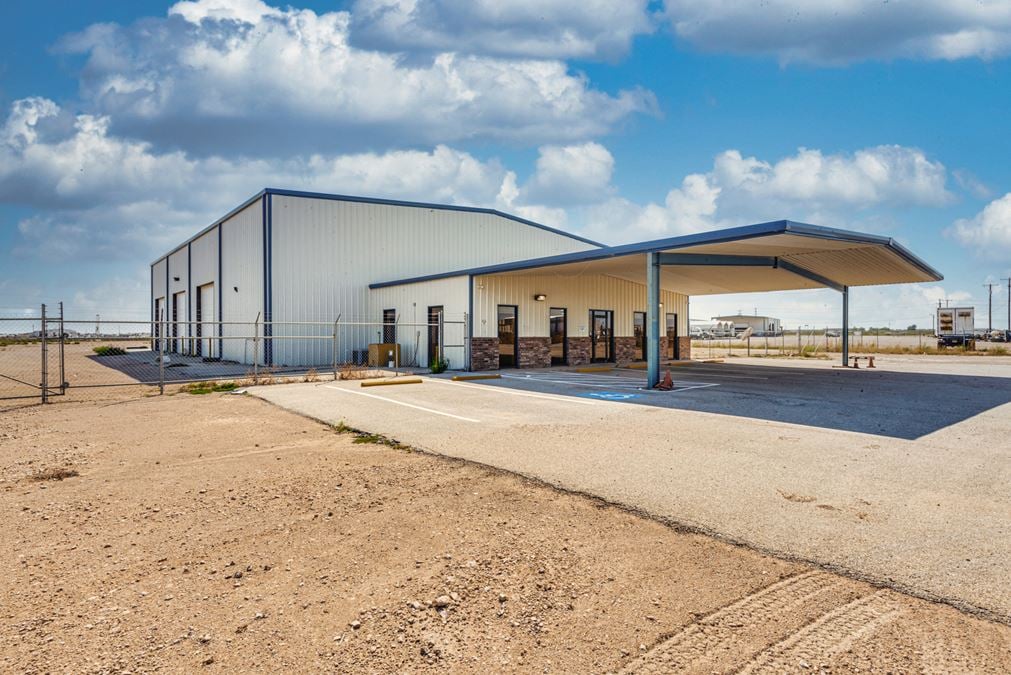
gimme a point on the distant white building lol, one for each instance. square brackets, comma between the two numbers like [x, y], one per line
[759, 325]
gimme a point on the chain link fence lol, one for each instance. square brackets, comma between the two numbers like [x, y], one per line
[49, 357]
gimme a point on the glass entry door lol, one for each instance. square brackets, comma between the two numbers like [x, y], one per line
[673, 349]
[507, 336]
[601, 335]
[639, 331]
[434, 314]
[559, 330]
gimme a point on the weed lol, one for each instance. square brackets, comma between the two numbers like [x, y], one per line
[109, 350]
[369, 438]
[53, 474]
[439, 365]
[200, 388]
[311, 376]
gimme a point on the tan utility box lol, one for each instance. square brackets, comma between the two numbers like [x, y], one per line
[379, 355]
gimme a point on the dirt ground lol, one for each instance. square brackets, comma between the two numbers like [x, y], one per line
[219, 533]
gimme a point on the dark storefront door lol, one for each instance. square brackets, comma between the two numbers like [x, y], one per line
[559, 331]
[507, 336]
[601, 335]
[639, 331]
[434, 313]
[673, 349]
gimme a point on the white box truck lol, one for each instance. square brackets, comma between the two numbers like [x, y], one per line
[956, 327]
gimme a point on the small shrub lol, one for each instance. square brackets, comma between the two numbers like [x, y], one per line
[109, 350]
[439, 365]
[311, 376]
[201, 388]
[54, 474]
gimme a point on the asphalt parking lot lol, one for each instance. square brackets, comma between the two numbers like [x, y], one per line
[897, 475]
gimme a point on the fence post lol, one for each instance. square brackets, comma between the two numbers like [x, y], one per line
[161, 352]
[442, 338]
[45, 359]
[335, 346]
[63, 339]
[256, 347]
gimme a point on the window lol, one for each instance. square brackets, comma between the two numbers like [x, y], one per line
[556, 316]
[389, 326]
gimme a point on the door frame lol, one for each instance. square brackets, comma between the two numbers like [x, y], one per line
[565, 335]
[516, 335]
[609, 314]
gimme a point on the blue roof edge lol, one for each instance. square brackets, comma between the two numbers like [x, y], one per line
[374, 200]
[711, 237]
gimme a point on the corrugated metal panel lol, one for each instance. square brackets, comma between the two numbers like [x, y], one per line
[411, 303]
[204, 259]
[577, 294]
[242, 279]
[864, 266]
[325, 253]
[158, 280]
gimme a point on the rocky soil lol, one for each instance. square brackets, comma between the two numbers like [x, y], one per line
[217, 533]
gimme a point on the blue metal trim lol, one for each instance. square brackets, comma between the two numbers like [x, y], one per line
[219, 315]
[659, 245]
[808, 274]
[189, 289]
[268, 329]
[151, 300]
[717, 260]
[426, 205]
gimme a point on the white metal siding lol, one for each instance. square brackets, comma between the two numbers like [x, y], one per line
[204, 258]
[325, 253]
[242, 268]
[411, 302]
[577, 294]
[158, 282]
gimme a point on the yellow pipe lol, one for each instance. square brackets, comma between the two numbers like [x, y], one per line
[398, 380]
[605, 369]
[466, 378]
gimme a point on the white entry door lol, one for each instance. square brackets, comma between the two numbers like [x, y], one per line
[207, 319]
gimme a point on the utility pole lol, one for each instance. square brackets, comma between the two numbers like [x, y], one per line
[1008, 280]
[989, 315]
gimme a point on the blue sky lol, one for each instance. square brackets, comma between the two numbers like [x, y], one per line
[127, 126]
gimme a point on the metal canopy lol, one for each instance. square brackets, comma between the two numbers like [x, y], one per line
[776, 256]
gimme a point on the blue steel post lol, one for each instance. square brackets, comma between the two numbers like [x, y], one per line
[652, 319]
[845, 325]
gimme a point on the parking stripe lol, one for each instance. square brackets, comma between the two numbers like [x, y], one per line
[403, 403]
[513, 392]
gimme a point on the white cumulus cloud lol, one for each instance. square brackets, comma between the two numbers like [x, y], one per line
[553, 29]
[843, 31]
[100, 196]
[831, 189]
[989, 231]
[245, 77]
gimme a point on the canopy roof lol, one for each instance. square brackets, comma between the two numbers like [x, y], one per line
[776, 256]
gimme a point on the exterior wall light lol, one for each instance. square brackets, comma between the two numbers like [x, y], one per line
[540, 297]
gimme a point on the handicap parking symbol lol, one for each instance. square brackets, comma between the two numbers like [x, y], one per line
[610, 395]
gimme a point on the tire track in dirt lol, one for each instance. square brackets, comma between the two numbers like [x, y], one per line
[727, 638]
[833, 633]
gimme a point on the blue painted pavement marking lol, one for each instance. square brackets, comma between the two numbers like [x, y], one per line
[610, 395]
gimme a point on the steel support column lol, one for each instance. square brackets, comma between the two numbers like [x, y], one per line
[845, 325]
[652, 319]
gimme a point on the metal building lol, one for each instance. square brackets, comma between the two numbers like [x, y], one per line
[522, 294]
